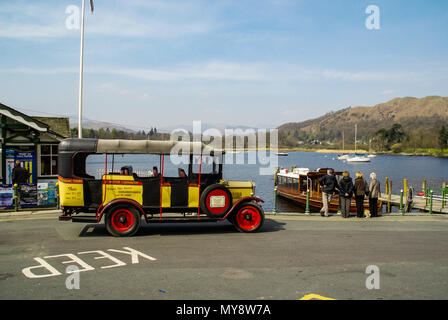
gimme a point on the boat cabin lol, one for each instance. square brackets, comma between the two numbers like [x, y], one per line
[301, 179]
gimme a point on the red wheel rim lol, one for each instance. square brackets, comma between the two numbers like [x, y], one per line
[122, 220]
[248, 218]
[217, 193]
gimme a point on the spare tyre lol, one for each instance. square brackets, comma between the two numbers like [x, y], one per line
[215, 201]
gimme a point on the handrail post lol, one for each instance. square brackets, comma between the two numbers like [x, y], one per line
[401, 201]
[308, 183]
[389, 195]
[444, 191]
[274, 211]
[405, 187]
[444, 195]
[277, 170]
[307, 208]
[387, 185]
[430, 203]
[16, 198]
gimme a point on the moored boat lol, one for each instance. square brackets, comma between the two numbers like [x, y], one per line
[358, 159]
[344, 156]
[293, 186]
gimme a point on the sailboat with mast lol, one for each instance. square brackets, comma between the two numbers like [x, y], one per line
[357, 157]
[371, 155]
[344, 155]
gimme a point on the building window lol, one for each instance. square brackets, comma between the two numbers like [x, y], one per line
[48, 160]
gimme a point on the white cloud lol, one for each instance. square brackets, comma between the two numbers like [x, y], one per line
[363, 75]
[232, 71]
[31, 31]
[39, 71]
[108, 85]
[24, 20]
[387, 92]
[205, 71]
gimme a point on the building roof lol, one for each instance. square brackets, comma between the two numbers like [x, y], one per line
[56, 126]
[22, 118]
[60, 126]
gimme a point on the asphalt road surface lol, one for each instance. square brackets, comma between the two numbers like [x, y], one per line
[288, 259]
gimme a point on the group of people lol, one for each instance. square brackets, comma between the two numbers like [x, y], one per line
[347, 188]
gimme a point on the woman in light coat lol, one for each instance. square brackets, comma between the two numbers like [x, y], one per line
[360, 189]
[374, 193]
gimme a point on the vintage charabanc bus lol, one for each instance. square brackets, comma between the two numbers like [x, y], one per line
[122, 198]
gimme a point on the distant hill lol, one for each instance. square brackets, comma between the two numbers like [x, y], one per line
[96, 125]
[420, 118]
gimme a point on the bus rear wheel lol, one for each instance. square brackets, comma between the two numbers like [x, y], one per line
[248, 217]
[123, 221]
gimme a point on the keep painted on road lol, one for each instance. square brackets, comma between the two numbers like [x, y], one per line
[46, 265]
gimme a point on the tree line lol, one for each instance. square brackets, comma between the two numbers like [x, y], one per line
[397, 139]
[101, 133]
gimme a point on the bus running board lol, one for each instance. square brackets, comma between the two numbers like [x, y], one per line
[84, 219]
[172, 219]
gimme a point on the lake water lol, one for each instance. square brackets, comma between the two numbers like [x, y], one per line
[396, 168]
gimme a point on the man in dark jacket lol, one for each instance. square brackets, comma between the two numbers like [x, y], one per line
[19, 174]
[328, 185]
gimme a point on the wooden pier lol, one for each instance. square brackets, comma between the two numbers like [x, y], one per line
[419, 203]
[408, 200]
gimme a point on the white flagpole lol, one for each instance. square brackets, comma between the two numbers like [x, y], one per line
[81, 73]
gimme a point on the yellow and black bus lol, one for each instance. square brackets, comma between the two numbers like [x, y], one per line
[123, 197]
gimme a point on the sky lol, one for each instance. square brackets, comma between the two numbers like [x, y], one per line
[255, 63]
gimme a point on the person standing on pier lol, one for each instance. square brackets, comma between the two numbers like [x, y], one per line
[374, 193]
[329, 184]
[360, 189]
[345, 193]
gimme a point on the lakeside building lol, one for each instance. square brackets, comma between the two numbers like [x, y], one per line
[34, 142]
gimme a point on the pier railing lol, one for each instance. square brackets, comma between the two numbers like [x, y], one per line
[425, 200]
